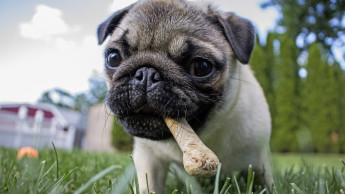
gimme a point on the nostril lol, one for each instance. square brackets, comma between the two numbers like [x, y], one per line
[156, 77]
[147, 76]
[139, 75]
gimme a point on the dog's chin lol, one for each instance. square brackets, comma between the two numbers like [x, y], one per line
[146, 124]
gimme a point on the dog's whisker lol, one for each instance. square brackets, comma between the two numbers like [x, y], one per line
[244, 81]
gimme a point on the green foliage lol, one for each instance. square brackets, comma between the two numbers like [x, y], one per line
[320, 97]
[313, 118]
[286, 98]
[119, 138]
[260, 66]
[339, 79]
[59, 97]
[307, 113]
[263, 62]
[321, 18]
[81, 101]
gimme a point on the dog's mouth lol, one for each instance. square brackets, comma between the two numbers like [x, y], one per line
[146, 109]
[146, 122]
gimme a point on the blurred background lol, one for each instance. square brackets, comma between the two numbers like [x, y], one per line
[52, 84]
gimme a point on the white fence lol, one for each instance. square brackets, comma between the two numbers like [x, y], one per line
[18, 131]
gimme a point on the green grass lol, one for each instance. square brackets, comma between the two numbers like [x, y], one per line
[285, 161]
[87, 172]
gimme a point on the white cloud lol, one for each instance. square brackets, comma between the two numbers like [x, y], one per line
[45, 24]
[63, 44]
[67, 64]
[117, 5]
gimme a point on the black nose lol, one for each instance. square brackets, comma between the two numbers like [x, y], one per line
[147, 76]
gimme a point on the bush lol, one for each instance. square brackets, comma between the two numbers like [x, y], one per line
[119, 138]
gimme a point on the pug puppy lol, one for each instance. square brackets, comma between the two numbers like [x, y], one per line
[174, 58]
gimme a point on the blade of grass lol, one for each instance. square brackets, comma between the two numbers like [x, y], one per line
[52, 188]
[67, 184]
[249, 178]
[263, 191]
[57, 162]
[322, 187]
[175, 191]
[8, 176]
[237, 187]
[184, 177]
[66, 176]
[187, 187]
[43, 163]
[110, 183]
[251, 183]
[216, 182]
[95, 190]
[39, 175]
[297, 188]
[341, 178]
[191, 189]
[96, 177]
[147, 184]
[131, 188]
[47, 172]
[227, 190]
[126, 177]
[225, 186]
[136, 182]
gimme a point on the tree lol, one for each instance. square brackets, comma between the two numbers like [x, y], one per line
[81, 101]
[286, 115]
[319, 19]
[271, 62]
[320, 102]
[98, 89]
[262, 61]
[338, 87]
[259, 64]
[58, 97]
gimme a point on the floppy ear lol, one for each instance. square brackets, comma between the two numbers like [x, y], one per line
[108, 26]
[240, 34]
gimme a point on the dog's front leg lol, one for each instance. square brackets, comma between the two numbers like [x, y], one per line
[146, 162]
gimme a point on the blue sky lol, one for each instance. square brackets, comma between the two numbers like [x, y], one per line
[48, 44]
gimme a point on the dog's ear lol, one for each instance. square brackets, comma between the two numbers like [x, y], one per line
[240, 34]
[108, 26]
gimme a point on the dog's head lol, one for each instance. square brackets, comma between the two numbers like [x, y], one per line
[170, 58]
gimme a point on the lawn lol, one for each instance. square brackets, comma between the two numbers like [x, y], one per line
[87, 172]
[285, 161]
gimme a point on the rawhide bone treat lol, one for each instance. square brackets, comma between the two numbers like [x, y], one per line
[198, 160]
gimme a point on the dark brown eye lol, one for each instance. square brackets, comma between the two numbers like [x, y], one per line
[200, 68]
[113, 60]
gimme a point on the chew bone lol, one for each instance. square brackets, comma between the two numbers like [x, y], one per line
[198, 160]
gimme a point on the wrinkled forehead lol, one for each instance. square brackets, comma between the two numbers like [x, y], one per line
[162, 25]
